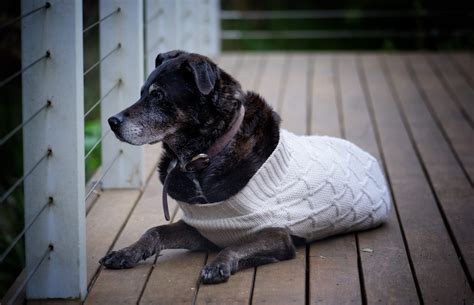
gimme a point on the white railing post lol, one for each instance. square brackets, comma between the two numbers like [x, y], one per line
[190, 25]
[60, 129]
[161, 33]
[209, 30]
[124, 161]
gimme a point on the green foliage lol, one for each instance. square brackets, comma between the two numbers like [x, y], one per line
[91, 136]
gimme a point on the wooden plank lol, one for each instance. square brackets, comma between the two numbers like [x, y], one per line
[454, 192]
[284, 282]
[114, 285]
[294, 106]
[238, 289]
[281, 283]
[446, 114]
[107, 217]
[325, 115]
[457, 85]
[273, 78]
[440, 276]
[334, 275]
[104, 222]
[386, 270]
[174, 279]
[464, 62]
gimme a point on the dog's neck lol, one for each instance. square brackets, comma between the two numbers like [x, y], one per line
[192, 157]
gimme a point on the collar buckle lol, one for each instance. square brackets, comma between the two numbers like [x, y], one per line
[197, 163]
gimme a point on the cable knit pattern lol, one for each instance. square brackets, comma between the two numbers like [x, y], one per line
[314, 186]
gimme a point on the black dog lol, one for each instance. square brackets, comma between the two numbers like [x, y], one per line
[242, 183]
[188, 103]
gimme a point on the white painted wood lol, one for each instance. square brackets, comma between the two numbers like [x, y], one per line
[210, 27]
[126, 64]
[188, 25]
[60, 128]
[161, 32]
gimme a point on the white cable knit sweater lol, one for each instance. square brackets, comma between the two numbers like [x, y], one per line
[314, 186]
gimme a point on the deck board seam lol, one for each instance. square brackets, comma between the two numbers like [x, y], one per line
[117, 236]
[370, 107]
[436, 119]
[450, 92]
[337, 87]
[431, 186]
[469, 79]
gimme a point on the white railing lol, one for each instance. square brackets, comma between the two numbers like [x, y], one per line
[53, 119]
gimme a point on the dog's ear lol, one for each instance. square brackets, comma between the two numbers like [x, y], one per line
[160, 58]
[205, 74]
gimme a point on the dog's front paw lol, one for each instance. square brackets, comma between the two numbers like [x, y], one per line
[215, 273]
[120, 259]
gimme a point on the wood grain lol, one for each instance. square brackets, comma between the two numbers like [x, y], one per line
[437, 268]
[333, 270]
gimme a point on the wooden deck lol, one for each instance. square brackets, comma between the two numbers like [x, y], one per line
[414, 112]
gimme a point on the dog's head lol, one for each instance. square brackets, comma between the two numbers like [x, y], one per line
[182, 93]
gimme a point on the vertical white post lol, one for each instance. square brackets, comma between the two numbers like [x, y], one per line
[187, 19]
[61, 129]
[125, 64]
[209, 21]
[161, 32]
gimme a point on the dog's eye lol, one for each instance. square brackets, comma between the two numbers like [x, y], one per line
[155, 92]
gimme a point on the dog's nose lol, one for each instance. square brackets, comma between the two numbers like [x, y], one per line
[114, 122]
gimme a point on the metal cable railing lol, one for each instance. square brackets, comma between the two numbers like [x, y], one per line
[7, 24]
[96, 144]
[19, 72]
[7, 194]
[232, 15]
[44, 207]
[94, 186]
[119, 45]
[333, 34]
[25, 229]
[21, 180]
[334, 14]
[99, 101]
[30, 274]
[95, 24]
[24, 123]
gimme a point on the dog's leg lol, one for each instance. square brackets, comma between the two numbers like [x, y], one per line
[173, 236]
[266, 246]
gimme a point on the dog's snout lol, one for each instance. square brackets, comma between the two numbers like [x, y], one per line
[115, 122]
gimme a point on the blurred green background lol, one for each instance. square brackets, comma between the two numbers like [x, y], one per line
[454, 17]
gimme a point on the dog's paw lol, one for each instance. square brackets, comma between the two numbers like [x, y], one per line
[120, 259]
[215, 273]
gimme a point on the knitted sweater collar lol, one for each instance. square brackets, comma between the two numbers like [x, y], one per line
[260, 187]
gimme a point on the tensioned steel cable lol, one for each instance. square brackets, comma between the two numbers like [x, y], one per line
[117, 84]
[7, 24]
[103, 175]
[17, 73]
[25, 229]
[21, 125]
[22, 178]
[30, 274]
[96, 144]
[90, 27]
[119, 45]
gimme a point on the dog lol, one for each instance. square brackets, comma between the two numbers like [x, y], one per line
[247, 188]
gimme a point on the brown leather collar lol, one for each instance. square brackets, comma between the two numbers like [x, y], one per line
[202, 160]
